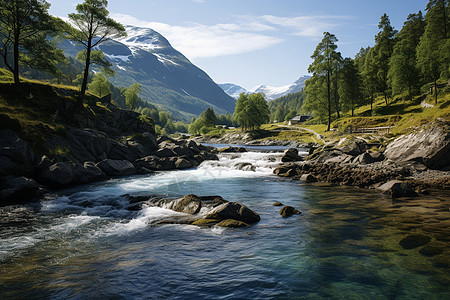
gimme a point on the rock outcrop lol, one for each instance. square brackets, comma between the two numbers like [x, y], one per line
[397, 188]
[291, 155]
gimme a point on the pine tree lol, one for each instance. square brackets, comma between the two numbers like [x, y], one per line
[209, 116]
[432, 53]
[350, 85]
[403, 72]
[323, 66]
[383, 50]
[93, 26]
[25, 26]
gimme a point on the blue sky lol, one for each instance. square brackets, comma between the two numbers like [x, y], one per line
[254, 42]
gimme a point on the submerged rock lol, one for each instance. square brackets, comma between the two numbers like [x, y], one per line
[288, 211]
[233, 149]
[245, 166]
[17, 189]
[308, 178]
[431, 250]
[205, 222]
[230, 223]
[278, 204]
[397, 188]
[414, 240]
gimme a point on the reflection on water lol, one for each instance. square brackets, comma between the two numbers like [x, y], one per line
[344, 245]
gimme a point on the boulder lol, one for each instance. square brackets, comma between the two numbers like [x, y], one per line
[430, 146]
[231, 149]
[288, 211]
[431, 250]
[364, 159]
[291, 155]
[17, 189]
[245, 166]
[308, 178]
[183, 163]
[234, 210]
[88, 172]
[86, 144]
[414, 240]
[57, 175]
[397, 188]
[16, 157]
[357, 147]
[113, 167]
[193, 146]
[165, 152]
[231, 223]
[190, 204]
[205, 222]
[277, 204]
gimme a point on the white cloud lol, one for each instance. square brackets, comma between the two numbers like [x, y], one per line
[245, 34]
[197, 40]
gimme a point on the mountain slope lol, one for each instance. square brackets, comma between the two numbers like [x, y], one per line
[233, 90]
[273, 93]
[168, 78]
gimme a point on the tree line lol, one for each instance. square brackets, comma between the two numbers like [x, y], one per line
[399, 63]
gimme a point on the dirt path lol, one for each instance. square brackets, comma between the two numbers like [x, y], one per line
[300, 129]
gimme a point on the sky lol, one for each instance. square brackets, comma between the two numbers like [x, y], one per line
[256, 42]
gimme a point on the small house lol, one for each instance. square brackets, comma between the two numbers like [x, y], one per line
[299, 119]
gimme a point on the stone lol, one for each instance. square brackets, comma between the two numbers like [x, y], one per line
[357, 147]
[205, 222]
[17, 189]
[17, 157]
[397, 188]
[165, 152]
[231, 223]
[364, 159]
[431, 250]
[233, 149]
[288, 211]
[87, 173]
[234, 210]
[245, 166]
[189, 204]
[291, 155]
[414, 240]
[57, 175]
[87, 144]
[277, 204]
[308, 178]
[182, 163]
[113, 167]
[431, 146]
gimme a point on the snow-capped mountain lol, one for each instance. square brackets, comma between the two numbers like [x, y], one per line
[233, 90]
[167, 77]
[272, 93]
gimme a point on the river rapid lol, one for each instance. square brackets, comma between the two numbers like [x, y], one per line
[85, 244]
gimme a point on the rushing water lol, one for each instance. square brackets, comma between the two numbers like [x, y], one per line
[87, 245]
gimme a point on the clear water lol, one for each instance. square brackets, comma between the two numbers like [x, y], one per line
[87, 245]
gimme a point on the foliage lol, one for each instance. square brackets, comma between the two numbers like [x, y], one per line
[131, 95]
[350, 86]
[25, 26]
[287, 105]
[251, 111]
[100, 85]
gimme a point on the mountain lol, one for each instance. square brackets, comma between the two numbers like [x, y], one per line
[168, 78]
[233, 90]
[273, 93]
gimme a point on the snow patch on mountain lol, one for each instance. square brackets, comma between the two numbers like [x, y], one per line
[233, 90]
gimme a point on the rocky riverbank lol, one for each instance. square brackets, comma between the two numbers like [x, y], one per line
[70, 145]
[416, 162]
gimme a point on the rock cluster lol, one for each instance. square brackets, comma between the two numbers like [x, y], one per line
[356, 164]
[220, 212]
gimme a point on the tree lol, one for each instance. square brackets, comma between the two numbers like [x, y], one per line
[403, 72]
[439, 9]
[25, 26]
[131, 95]
[251, 111]
[432, 52]
[322, 67]
[93, 27]
[370, 76]
[383, 50]
[100, 85]
[350, 86]
[209, 116]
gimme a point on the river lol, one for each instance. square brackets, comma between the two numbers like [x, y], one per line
[85, 244]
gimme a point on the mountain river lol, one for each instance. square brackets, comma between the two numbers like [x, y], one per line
[84, 244]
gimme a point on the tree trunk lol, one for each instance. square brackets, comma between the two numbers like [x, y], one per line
[385, 98]
[435, 92]
[16, 58]
[329, 100]
[336, 98]
[86, 73]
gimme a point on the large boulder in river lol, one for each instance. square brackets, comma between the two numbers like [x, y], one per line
[190, 204]
[429, 146]
[397, 188]
[113, 167]
[16, 157]
[288, 211]
[17, 189]
[57, 175]
[235, 211]
[291, 155]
